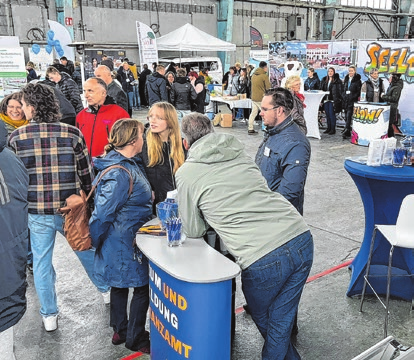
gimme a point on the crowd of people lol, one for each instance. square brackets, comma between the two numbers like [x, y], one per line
[55, 159]
[343, 94]
[55, 153]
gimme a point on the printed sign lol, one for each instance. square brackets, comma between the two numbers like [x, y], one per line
[147, 44]
[12, 71]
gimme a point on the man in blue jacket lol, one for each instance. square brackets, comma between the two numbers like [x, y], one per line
[284, 155]
[14, 182]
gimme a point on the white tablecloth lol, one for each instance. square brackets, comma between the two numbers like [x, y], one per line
[312, 101]
[243, 103]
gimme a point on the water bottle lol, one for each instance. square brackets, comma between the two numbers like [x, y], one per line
[407, 144]
[363, 97]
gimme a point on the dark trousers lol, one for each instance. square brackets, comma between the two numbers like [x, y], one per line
[348, 117]
[330, 115]
[134, 329]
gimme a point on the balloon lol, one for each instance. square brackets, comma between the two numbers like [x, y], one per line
[36, 49]
[60, 53]
[49, 49]
[50, 35]
[57, 43]
[58, 48]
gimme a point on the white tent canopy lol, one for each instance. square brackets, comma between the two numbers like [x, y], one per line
[189, 38]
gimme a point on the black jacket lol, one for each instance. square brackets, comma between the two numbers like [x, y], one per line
[156, 88]
[392, 97]
[126, 79]
[14, 182]
[119, 96]
[312, 83]
[198, 104]
[370, 89]
[354, 88]
[70, 67]
[335, 91]
[160, 176]
[77, 77]
[183, 94]
[71, 91]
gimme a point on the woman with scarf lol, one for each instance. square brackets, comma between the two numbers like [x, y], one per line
[373, 87]
[11, 112]
[293, 85]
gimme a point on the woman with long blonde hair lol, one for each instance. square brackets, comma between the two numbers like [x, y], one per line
[162, 152]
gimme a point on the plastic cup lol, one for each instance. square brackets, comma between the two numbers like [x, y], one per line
[174, 236]
[165, 211]
[398, 157]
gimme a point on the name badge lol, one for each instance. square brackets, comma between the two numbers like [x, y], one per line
[348, 92]
[266, 152]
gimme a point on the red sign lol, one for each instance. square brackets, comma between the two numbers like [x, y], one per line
[68, 21]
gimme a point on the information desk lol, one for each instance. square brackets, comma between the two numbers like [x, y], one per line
[382, 191]
[312, 100]
[190, 299]
[369, 122]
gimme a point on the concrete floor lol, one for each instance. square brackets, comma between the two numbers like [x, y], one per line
[331, 326]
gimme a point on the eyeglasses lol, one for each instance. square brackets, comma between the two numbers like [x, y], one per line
[151, 117]
[274, 107]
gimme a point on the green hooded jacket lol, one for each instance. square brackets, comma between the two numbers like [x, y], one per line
[221, 186]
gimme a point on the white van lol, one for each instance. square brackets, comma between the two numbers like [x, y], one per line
[213, 64]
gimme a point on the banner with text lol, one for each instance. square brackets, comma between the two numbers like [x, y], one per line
[12, 71]
[389, 57]
[147, 44]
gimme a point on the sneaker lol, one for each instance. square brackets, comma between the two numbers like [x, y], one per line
[107, 297]
[117, 339]
[50, 322]
[252, 132]
[257, 123]
[242, 121]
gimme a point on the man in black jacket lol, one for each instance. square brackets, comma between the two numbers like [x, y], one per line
[142, 83]
[156, 86]
[183, 94]
[68, 64]
[67, 85]
[14, 182]
[114, 90]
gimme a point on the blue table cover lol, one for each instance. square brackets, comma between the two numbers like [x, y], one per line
[382, 191]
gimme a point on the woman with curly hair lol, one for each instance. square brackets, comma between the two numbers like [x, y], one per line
[57, 160]
[162, 152]
[11, 112]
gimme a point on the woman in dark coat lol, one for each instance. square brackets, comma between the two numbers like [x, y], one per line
[392, 97]
[162, 152]
[199, 87]
[332, 102]
[117, 216]
[350, 95]
[312, 82]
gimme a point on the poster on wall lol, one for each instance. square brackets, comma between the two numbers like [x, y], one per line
[389, 57]
[277, 55]
[12, 71]
[147, 44]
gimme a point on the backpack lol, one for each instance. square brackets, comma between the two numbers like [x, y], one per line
[207, 98]
[76, 214]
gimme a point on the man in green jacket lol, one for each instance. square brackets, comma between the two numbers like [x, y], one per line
[260, 83]
[220, 186]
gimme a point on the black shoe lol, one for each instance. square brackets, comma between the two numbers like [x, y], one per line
[252, 132]
[346, 134]
[332, 132]
[327, 131]
[246, 309]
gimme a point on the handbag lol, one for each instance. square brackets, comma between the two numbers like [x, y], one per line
[76, 214]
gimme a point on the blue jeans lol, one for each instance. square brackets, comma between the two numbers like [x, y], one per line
[130, 99]
[330, 115]
[43, 230]
[137, 99]
[273, 286]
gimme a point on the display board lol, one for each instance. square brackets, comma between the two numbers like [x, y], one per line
[12, 71]
[391, 56]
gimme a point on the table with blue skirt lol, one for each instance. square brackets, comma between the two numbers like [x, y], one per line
[382, 191]
[190, 299]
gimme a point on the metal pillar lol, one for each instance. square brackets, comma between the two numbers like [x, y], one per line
[64, 9]
[225, 28]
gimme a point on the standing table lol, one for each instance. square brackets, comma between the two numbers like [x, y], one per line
[190, 299]
[382, 191]
[312, 100]
[233, 104]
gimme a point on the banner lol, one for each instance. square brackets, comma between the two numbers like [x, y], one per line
[147, 45]
[389, 57]
[12, 71]
[256, 40]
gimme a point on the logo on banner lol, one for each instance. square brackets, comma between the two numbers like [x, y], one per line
[256, 40]
[388, 60]
[365, 116]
